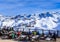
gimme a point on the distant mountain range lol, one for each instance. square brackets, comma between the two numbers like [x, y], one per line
[35, 21]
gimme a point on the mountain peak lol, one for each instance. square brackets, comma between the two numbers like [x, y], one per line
[42, 21]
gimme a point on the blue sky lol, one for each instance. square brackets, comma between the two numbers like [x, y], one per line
[14, 7]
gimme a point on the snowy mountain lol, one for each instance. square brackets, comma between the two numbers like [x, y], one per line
[32, 21]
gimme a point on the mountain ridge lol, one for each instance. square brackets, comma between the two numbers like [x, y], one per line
[41, 21]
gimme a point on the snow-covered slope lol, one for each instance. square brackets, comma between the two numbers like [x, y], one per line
[41, 21]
